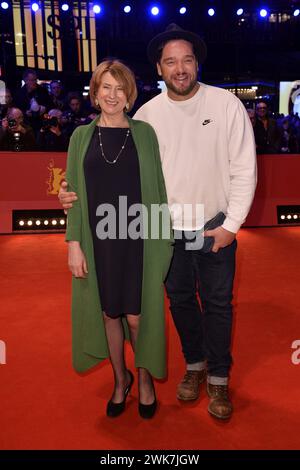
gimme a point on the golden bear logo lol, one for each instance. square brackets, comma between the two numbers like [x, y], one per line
[55, 178]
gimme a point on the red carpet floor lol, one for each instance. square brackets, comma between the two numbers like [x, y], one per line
[46, 405]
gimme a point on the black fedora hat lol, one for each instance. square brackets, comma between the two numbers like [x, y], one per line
[173, 31]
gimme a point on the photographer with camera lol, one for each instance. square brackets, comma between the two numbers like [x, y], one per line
[51, 136]
[14, 134]
[33, 99]
[75, 115]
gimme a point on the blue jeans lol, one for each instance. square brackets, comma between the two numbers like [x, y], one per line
[204, 328]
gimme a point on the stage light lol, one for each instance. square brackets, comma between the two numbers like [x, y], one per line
[65, 7]
[288, 215]
[127, 9]
[4, 5]
[154, 11]
[211, 12]
[35, 6]
[296, 12]
[240, 11]
[182, 10]
[37, 220]
[263, 13]
[97, 9]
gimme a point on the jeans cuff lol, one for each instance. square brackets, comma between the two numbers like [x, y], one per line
[196, 366]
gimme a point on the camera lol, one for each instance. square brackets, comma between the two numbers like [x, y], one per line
[49, 121]
[11, 122]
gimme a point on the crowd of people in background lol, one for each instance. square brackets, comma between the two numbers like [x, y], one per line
[39, 118]
[35, 118]
[278, 134]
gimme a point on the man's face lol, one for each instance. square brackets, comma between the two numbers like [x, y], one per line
[261, 110]
[31, 82]
[75, 105]
[178, 68]
[55, 89]
[8, 97]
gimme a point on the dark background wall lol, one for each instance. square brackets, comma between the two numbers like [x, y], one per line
[239, 48]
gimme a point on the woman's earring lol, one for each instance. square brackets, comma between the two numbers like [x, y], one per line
[127, 106]
[96, 102]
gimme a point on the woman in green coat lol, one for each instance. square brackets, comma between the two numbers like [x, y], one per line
[118, 261]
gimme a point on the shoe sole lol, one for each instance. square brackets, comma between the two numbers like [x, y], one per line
[145, 416]
[179, 397]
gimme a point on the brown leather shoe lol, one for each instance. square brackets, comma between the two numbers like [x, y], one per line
[220, 405]
[189, 387]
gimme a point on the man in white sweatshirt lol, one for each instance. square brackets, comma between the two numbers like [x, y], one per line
[208, 157]
[209, 162]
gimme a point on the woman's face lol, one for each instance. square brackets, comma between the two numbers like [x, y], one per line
[111, 96]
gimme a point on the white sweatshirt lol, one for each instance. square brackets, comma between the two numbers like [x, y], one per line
[208, 155]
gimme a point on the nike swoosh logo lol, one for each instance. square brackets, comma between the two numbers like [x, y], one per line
[207, 121]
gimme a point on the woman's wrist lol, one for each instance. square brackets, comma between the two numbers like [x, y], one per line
[73, 243]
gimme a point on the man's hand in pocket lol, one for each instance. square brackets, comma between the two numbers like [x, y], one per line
[221, 236]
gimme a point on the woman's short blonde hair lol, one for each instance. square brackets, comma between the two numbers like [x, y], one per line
[121, 73]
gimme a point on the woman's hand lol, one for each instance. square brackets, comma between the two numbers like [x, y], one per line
[77, 262]
[65, 197]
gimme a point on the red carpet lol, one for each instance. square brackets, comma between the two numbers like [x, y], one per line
[46, 405]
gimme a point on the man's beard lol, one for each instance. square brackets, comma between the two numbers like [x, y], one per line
[180, 92]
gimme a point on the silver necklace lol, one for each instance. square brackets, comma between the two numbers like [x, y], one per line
[112, 162]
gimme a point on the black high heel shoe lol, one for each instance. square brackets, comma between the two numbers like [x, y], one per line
[148, 411]
[115, 409]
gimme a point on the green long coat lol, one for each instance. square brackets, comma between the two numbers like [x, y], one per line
[89, 342]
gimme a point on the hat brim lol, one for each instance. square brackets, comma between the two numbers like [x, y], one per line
[153, 49]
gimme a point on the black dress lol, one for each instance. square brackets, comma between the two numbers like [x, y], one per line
[119, 261]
